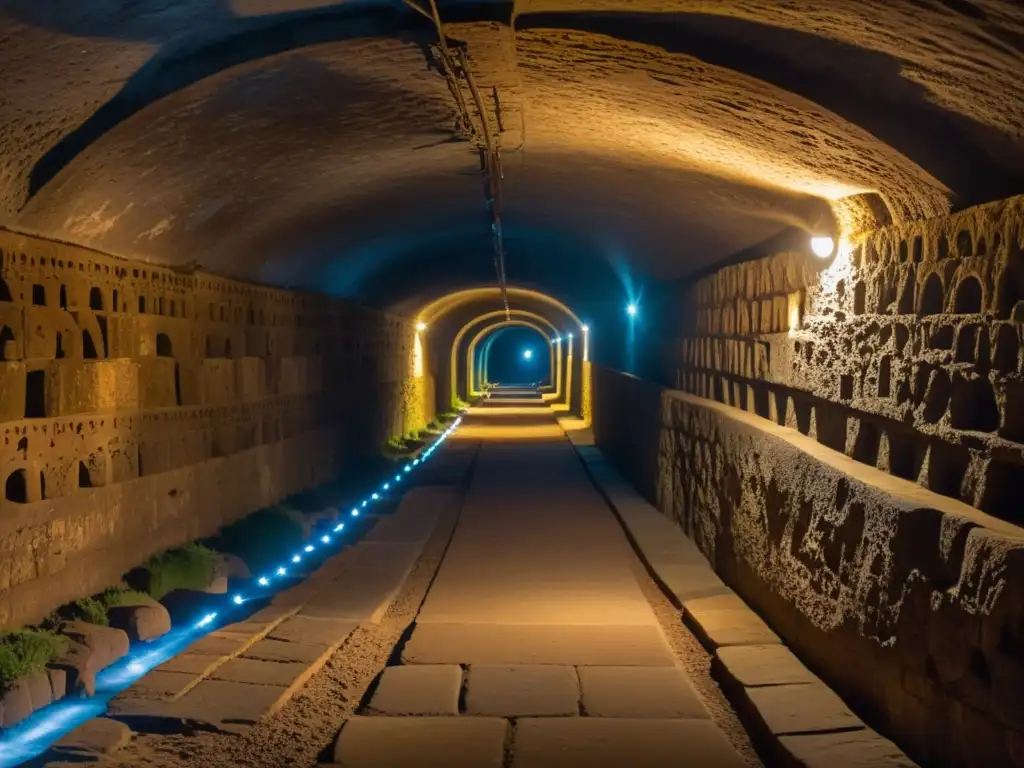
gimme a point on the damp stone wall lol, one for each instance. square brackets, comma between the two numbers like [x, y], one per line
[904, 352]
[844, 442]
[143, 407]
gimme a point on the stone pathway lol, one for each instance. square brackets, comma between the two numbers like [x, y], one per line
[245, 671]
[535, 645]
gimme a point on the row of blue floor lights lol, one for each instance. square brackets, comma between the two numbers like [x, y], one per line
[326, 539]
[34, 736]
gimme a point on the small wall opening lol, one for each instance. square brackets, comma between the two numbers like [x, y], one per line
[39, 295]
[96, 299]
[227, 348]
[60, 345]
[89, 351]
[16, 487]
[84, 478]
[62, 297]
[885, 376]
[6, 344]
[932, 297]
[163, 345]
[974, 405]
[114, 305]
[1003, 496]
[35, 395]
[968, 297]
[5, 291]
[964, 244]
[142, 305]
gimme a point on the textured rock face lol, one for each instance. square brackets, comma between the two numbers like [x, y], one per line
[905, 352]
[850, 466]
[143, 408]
[907, 602]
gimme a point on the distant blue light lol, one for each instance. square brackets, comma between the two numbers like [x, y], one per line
[206, 620]
[527, 355]
[407, 468]
[325, 539]
[309, 547]
[632, 310]
[264, 581]
[238, 599]
[297, 559]
[282, 571]
[386, 486]
[374, 496]
[341, 526]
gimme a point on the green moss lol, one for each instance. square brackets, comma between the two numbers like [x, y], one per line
[87, 609]
[260, 538]
[115, 596]
[24, 651]
[458, 404]
[187, 567]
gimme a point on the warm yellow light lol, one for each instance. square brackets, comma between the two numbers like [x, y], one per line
[823, 246]
[417, 356]
[421, 327]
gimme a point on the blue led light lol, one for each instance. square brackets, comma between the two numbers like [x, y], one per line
[40, 730]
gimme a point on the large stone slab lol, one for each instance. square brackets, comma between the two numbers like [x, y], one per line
[517, 690]
[804, 708]
[648, 692]
[596, 742]
[259, 672]
[99, 736]
[726, 620]
[220, 704]
[313, 631]
[416, 517]
[850, 749]
[373, 577]
[421, 742]
[756, 665]
[576, 645]
[283, 651]
[419, 689]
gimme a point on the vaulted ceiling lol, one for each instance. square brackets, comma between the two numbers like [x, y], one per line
[319, 146]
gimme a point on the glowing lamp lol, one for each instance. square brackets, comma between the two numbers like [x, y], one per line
[527, 354]
[585, 328]
[309, 547]
[631, 310]
[238, 599]
[281, 571]
[325, 539]
[823, 246]
[421, 327]
[264, 581]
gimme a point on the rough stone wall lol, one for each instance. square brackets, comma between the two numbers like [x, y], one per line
[904, 352]
[142, 408]
[909, 603]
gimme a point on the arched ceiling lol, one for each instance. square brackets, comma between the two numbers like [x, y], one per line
[641, 139]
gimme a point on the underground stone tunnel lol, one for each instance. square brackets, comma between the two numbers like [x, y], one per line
[753, 499]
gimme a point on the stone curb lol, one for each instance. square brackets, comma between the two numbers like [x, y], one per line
[793, 717]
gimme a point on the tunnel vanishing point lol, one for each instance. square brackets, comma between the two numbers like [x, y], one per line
[770, 260]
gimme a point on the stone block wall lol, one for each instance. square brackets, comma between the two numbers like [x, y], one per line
[904, 352]
[142, 408]
[910, 604]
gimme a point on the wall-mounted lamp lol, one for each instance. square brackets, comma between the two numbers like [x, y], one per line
[569, 336]
[421, 327]
[823, 246]
[631, 310]
[585, 328]
[527, 354]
